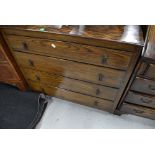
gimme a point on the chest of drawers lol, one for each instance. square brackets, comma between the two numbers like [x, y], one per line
[139, 98]
[90, 68]
[9, 72]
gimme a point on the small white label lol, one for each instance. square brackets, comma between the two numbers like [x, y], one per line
[53, 45]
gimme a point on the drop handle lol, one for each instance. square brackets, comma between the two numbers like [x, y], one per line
[25, 46]
[144, 100]
[37, 77]
[104, 59]
[97, 91]
[31, 63]
[138, 111]
[100, 77]
[151, 87]
[95, 103]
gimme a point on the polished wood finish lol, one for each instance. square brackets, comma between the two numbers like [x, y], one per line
[103, 36]
[138, 110]
[10, 73]
[150, 48]
[7, 73]
[2, 57]
[72, 96]
[147, 70]
[85, 72]
[140, 99]
[77, 63]
[143, 86]
[78, 86]
[71, 51]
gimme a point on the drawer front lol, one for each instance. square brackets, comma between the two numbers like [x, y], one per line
[140, 99]
[70, 84]
[147, 70]
[71, 51]
[6, 73]
[72, 96]
[85, 72]
[151, 71]
[144, 86]
[138, 110]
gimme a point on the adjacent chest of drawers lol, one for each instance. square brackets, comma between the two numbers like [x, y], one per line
[91, 68]
[140, 97]
[9, 72]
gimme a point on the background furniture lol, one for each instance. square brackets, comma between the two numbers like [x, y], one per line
[139, 98]
[9, 72]
[90, 67]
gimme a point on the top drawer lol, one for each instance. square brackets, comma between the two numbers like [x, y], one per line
[147, 70]
[72, 51]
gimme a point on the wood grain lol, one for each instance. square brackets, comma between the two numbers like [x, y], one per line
[85, 72]
[140, 99]
[138, 110]
[2, 57]
[7, 72]
[70, 84]
[87, 40]
[144, 86]
[71, 51]
[72, 96]
[10, 72]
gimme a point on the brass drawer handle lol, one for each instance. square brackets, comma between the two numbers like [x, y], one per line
[37, 77]
[97, 91]
[25, 46]
[96, 103]
[53, 45]
[100, 77]
[138, 111]
[144, 100]
[104, 59]
[151, 87]
[31, 63]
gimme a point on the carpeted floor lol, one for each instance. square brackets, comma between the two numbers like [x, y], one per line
[20, 110]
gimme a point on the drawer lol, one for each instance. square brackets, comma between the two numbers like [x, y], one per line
[140, 99]
[144, 86]
[75, 70]
[151, 71]
[147, 70]
[72, 51]
[138, 110]
[6, 72]
[70, 84]
[72, 96]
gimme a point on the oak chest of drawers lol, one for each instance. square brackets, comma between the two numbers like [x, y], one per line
[90, 67]
[139, 99]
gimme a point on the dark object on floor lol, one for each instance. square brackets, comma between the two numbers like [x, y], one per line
[20, 110]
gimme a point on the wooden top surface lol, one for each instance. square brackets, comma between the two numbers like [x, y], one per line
[126, 34]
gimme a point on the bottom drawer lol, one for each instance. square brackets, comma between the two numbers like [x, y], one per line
[138, 110]
[72, 96]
